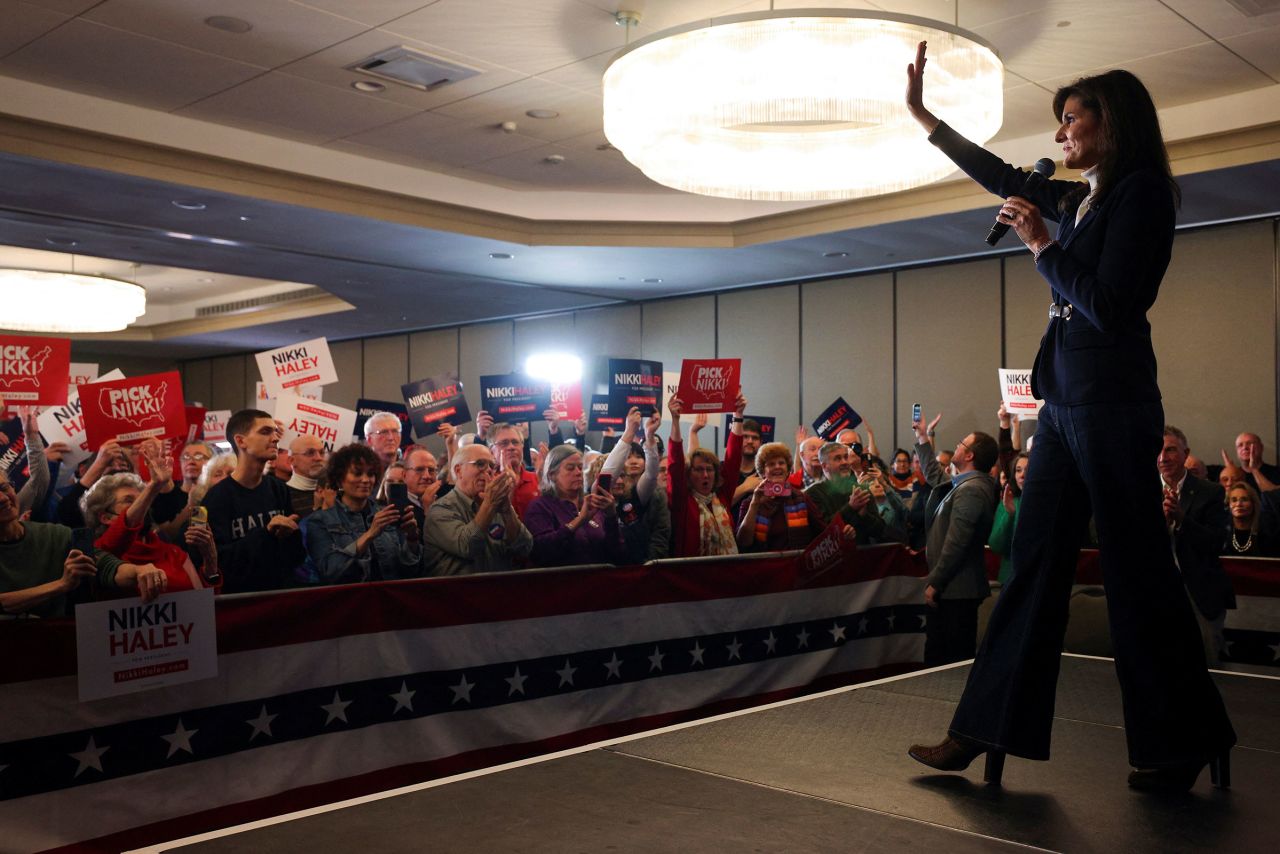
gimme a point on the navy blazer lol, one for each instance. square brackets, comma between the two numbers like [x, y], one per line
[1108, 268]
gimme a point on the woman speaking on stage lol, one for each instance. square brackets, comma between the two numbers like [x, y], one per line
[1095, 450]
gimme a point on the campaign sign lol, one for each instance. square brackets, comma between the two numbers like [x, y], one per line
[1015, 388]
[133, 409]
[514, 398]
[824, 552]
[81, 373]
[305, 363]
[433, 401]
[124, 645]
[836, 417]
[331, 424]
[215, 425]
[709, 385]
[365, 409]
[34, 371]
[767, 425]
[635, 382]
[266, 401]
[66, 423]
[566, 399]
[599, 418]
[13, 452]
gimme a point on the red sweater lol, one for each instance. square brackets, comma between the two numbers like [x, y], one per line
[685, 540]
[133, 545]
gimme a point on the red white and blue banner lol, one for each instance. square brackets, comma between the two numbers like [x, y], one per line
[329, 693]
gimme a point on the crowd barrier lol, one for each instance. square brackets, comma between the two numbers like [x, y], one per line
[330, 693]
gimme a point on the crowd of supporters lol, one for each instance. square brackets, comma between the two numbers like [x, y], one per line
[267, 518]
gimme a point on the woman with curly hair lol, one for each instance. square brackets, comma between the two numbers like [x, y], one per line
[776, 517]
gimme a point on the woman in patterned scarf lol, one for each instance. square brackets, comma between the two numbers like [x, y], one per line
[777, 517]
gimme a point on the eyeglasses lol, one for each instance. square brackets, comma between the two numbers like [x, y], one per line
[387, 432]
[423, 469]
[311, 452]
[963, 444]
[482, 465]
[508, 443]
[194, 458]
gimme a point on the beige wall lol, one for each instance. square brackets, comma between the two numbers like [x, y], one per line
[882, 341]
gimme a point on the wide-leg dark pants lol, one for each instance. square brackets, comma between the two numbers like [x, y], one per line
[1099, 458]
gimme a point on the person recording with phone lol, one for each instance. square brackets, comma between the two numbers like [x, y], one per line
[777, 517]
[356, 539]
[841, 493]
[1099, 429]
[569, 525]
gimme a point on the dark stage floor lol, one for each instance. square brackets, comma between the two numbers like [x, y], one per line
[829, 774]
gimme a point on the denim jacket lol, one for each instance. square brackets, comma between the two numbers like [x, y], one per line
[331, 548]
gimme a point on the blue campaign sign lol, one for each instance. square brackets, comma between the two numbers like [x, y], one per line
[514, 397]
[366, 407]
[433, 401]
[634, 382]
[836, 417]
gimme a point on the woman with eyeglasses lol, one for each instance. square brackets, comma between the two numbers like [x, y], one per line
[172, 510]
[569, 525]
[356, 539]
[702, 489]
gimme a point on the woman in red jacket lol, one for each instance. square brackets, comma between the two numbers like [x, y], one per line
[701, 490]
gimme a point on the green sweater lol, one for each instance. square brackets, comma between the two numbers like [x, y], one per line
[1001, 539]
[37, 559]
[832, 497]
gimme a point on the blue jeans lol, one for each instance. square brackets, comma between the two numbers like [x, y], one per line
[1095, 459]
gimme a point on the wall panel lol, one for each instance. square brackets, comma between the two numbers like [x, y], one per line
[197, 382]
[386, 367]
[431, 353]
[604, 332]
[763, 328]
[949, 348]
[1214, 331]
[676, 329]
[348, 358]
[846, 328]
[228, 389]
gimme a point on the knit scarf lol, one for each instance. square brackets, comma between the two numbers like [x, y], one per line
[796, 513]
[715, 530]
[903, 484]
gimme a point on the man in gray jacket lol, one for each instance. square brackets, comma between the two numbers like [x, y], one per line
[958, 519]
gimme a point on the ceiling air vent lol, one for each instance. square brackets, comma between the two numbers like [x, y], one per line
[244, 305]
[413, 68]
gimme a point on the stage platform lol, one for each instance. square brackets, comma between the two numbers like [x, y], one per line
[825, 773]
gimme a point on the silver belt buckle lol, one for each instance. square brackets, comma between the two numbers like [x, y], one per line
[1063, 311]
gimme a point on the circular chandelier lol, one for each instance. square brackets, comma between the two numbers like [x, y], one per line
[796, 105]
[43, 301]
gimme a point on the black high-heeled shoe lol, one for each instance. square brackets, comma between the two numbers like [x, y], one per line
[955, 755]
[1180, 778]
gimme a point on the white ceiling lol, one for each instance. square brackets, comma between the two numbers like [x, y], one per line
[280, 96]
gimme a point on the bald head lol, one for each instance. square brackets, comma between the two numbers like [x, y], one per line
[308, 456]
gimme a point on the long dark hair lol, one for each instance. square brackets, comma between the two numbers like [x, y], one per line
[1128, 127]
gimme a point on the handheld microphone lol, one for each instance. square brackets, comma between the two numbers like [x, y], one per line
[1043, 170]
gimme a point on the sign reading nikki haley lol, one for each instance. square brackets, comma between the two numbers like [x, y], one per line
[34, 371]
[433, 401]
[130, 410]
[514, 397]
[306, 363]
[634, 383]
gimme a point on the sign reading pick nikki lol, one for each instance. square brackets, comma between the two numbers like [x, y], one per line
[133, 409]
[836, 417]
[306, 363]
[634, 383]
[709, 385]
[1015, 388]
[66, 423]
[434, 401]
[124, 645]
[34, 371]
[514, 397]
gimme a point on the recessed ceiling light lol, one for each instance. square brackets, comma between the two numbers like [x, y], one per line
[501, 256]
[189, 204]
[653, 281]
[228, 24]
[553, 159]
[246, 219]
[404, 317]
[368, 86]
[541, 114]
[61, 241]
[835, 254]
[167, 288]
[1064, 23]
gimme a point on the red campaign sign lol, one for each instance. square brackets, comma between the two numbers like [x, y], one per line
[34, 371]
[709, 385]
[133, 409]
[567, 400]
[824, 552]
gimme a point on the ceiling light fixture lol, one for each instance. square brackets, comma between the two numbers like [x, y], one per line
[796, 104]
[69, 302]
[228, 24]
[554, 367]
[501, 256]
[541, 114]
[368, 86]
[189, 205]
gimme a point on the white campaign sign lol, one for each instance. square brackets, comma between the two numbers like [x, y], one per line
[1015, 389]
[81, 373]
[331, 424]
[66, 423]
[305, 363]
[124, 646]
[215, 425]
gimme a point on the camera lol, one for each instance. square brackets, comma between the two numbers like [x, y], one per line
[605, 481]
[856, 450]
[776, 490]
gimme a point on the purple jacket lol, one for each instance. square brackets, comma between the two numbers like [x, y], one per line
[597, 541]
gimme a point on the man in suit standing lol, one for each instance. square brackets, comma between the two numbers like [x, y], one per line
[1196, 515]
[958, 517]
